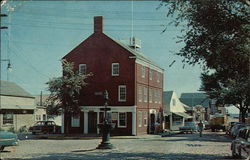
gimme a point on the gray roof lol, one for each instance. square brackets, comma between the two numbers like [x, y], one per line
[167, 95]
[138, 54]
[12, 89]
[193, 99]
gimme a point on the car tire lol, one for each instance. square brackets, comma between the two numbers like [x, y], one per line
[1, 148]
[234, 154]
[239, 155]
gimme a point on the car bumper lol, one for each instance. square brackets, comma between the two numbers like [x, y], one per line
[8, 142]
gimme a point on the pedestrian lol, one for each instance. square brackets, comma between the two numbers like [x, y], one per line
[200, 125]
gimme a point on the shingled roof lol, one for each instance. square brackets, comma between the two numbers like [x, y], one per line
[12, 89]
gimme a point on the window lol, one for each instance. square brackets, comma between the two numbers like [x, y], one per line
[150, 95]
[122, 120]
[156, 96]
[139, 119]
[145, 118]
[75, 121]
[8, 119]
[143, 71]
[38, 117]
[83, 69]
[44, 117]
[150, 74]
[140, 94]
[158, 77]
[145, 97]
[159, 96]
[122, 93]
[115, 69]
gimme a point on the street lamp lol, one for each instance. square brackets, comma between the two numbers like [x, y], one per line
[105, 127]
[9, 67]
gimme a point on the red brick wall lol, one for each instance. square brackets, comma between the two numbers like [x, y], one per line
[98, 52]
[146, 106]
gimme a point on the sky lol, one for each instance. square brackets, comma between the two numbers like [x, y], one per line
[40, 33]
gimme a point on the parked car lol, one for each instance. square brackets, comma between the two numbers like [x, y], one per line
[46, 127]
[230, 126]
[235, 129]
[241, 145]
[7, 139]
[189, 127]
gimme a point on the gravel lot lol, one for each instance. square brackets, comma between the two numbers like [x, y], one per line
[179, 146]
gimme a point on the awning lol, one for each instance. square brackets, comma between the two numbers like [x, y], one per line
[182, 114]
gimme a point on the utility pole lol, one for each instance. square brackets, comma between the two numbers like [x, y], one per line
[3, 15]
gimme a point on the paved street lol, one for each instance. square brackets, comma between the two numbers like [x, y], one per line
[179, 146]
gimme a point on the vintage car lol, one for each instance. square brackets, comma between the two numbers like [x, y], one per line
[235, 129]
[241, 145]
[45, 127]
[7, 139]
[189, 127]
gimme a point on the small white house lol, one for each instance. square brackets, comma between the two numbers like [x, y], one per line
[174, 111]
[16, 107]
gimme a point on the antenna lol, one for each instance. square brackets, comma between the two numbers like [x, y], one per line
[132, 18]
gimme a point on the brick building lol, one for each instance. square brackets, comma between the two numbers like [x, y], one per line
[134, 84]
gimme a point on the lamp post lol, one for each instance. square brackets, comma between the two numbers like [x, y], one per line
[9, 67]
[105, 127]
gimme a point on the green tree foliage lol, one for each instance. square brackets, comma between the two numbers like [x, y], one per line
[218, 38]
[65, 92]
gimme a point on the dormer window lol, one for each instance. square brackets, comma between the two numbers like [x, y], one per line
[115, 69]
[82, 69]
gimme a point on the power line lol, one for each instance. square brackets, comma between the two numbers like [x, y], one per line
[13, 49]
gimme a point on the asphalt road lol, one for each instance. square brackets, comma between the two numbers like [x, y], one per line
[179, 146]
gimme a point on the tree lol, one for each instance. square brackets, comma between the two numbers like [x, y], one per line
[218, 38]
[64, 93]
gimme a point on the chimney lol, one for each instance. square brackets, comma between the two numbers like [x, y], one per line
[98, 24]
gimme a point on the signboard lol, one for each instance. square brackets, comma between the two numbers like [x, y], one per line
[105, 109]
[98, 93]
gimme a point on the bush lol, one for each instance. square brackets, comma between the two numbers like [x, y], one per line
[11, 129]
[23, 129]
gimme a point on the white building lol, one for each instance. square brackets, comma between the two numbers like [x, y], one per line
[173, 111]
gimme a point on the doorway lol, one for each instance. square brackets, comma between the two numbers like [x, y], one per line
[92, 122]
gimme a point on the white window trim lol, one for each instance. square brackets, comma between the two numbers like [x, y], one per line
[115, 74]
[139, 119]
[119, 95]
[145, 116]
[155, 95]
[159, 96]
[150, 74]
[79, 69]
[119, 126]
[158, 77]
[145, 94]
[143, 71]
[150, 95]
[140, 94]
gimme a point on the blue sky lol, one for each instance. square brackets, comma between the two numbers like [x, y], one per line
[41, 32]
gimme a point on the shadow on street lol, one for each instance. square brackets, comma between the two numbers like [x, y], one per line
[120, 156]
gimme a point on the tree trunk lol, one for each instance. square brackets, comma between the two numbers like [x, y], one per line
[243, 115]
[66, 120]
